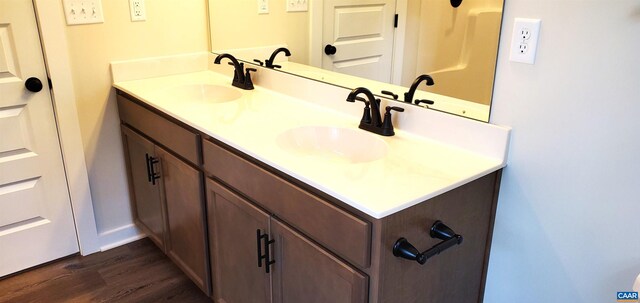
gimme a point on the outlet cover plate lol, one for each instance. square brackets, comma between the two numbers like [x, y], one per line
[524, 40]
[83, 11]
[138, 10]
[263, 7]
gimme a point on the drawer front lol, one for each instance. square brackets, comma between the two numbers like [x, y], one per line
[336, 229]
[178, 139]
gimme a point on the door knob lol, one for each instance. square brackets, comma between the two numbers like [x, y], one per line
[33, 84]
[330, 49]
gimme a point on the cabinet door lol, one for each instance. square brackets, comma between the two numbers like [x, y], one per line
[233, 235]
[146, 195]
[305, 272]
[185, 218]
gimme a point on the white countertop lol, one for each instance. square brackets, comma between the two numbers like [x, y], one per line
[414, 169]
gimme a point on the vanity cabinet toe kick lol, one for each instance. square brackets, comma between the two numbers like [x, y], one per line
[259, 235]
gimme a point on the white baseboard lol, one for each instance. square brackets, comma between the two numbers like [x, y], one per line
[120, 236]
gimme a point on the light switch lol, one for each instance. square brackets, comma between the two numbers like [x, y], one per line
[297, 5]
[83, 11]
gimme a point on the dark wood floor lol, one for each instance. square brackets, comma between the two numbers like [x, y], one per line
[137, 272]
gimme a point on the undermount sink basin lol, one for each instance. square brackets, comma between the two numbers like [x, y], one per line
[353, 145]
[202, 92]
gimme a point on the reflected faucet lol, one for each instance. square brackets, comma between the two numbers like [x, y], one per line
[240, 79]
[269, 62]
[371, 119]
[408, 96]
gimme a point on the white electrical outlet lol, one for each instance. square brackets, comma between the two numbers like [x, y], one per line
[138, 10]
[263, 6]
[297, 5]
[83, 11]
[524, 40]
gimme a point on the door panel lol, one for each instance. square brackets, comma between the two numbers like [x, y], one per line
[305, 272]
[362, 32]
[36, 223]
[185, 218]
[233, 223]
[149, 208]
[22, 198]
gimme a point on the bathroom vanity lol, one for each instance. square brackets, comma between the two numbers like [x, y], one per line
[248, 199]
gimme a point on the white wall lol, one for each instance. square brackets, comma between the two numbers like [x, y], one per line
[171, 28]
[237, 24]
[568, 220]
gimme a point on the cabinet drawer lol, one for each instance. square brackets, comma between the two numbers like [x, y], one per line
[336, 229]
[178, 139]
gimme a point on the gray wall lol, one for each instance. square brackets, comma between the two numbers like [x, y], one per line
[568, 220]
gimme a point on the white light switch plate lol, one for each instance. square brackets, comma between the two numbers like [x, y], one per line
[297, 5]
[524, 41]
[83, 11]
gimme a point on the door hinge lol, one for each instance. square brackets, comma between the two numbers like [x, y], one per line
[395, 21]
[50, 84]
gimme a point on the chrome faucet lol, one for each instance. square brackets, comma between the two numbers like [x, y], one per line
[240, 79]
[408, 96]
[371, 119]
[269, 62]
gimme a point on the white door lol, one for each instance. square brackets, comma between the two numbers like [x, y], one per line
[36, 223]
[361, 31]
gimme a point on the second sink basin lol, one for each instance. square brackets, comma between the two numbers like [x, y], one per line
[353, 145]
[202, 93]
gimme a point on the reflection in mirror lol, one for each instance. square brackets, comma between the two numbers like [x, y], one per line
[362, 43]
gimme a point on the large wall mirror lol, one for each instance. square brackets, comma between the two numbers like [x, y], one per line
[378, 44]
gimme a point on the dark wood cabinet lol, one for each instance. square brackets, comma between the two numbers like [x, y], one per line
[146, 195]
[323, 249]
[167, 190]
[301, 271]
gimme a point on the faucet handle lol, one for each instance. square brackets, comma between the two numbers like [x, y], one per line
[236, 77]
[258, 61]
[396, 108]
[425, 101]
[389, 93]
[248, 84]
[387, 124]
[366, 115]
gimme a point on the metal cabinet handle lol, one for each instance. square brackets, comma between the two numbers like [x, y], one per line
[148, 167]
[152, 175]
[259, 247]
[263, 239]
